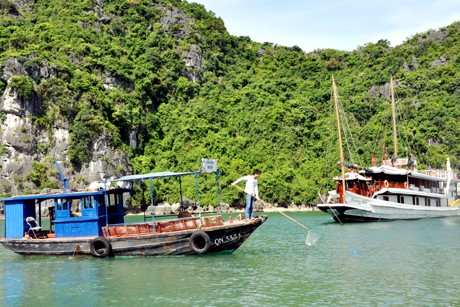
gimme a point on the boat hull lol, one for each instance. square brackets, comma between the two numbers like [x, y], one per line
[365, 209]
[227, 237]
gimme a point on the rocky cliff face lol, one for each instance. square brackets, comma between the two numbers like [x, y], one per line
[23, 142]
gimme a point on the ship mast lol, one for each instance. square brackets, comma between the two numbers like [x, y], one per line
[393, 113]
[342, 159]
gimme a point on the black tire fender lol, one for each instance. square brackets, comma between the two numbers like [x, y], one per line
[200, 242]
[100, 247]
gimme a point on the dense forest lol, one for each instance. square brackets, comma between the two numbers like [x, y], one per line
[182, 88]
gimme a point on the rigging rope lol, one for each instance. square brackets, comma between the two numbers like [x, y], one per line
[349, 140]
[402, 132]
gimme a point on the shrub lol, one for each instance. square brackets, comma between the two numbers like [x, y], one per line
[23, 85]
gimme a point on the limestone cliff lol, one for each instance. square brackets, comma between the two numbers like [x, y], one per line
[23, 142]
[29, 147]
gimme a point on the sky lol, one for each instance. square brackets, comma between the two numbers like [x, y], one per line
[336, 24]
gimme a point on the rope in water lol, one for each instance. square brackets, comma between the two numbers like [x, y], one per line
[337, 217]
[279, 211]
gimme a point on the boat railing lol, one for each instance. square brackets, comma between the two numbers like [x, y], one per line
[181, 224]
[135, 229]
[399, 162]
[435, 173]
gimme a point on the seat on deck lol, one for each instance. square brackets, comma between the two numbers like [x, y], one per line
[34, 227]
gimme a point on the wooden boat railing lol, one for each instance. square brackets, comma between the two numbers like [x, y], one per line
[181, 224]
[435, 173]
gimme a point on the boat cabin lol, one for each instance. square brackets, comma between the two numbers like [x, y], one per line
[355, 183]
[96, 209]
[420, 188]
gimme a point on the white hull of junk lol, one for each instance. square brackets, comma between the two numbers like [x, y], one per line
[395, 190]
[391, 193]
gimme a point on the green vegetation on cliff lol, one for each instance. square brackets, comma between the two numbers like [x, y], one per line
[170, 86]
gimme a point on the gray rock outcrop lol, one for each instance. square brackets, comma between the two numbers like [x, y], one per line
[23, 142]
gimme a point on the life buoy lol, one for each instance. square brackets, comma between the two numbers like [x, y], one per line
[200, 242]
[100, 247]
[386, 184]
[405, 185]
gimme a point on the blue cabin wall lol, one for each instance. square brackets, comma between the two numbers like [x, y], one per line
[78, 227]
[115, 209]
[116, 214]
[62, 208]
[16, 212]
[92, 205]
[88, 206]
[88, 224]
[93, 217]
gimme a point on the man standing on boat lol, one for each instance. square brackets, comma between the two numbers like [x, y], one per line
[251, 190]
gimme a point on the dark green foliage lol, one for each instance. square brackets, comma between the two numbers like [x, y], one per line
[88, 124]
[119, 70]
[2, 86]
[41, 176]
[23, 85]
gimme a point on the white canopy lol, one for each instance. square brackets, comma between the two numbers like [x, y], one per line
[390, 170]
[155, 175]
[352, 176]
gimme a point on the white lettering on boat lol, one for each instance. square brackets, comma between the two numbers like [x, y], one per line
[227, 239]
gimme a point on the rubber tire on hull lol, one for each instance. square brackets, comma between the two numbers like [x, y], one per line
[200, 242]
[100, 247]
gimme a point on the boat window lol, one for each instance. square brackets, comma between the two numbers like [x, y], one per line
[75, 204]
[417, 201]
[84, 202]
[87, 202]
[408, 200]
[119, 198]
[401, 200]
[115, 199]
[62, 204]
[112, 200]
[428, 202]
[438, 203]
[385, 198]
[100, 201]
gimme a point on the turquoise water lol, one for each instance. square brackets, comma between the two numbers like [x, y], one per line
[414, 263]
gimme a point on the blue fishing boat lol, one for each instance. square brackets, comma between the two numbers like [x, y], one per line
[100, 229]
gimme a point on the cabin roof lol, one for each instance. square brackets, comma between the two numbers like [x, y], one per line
[427, 177]
[71, 194]
[155, 175]
[353, 176]
[389, 170]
